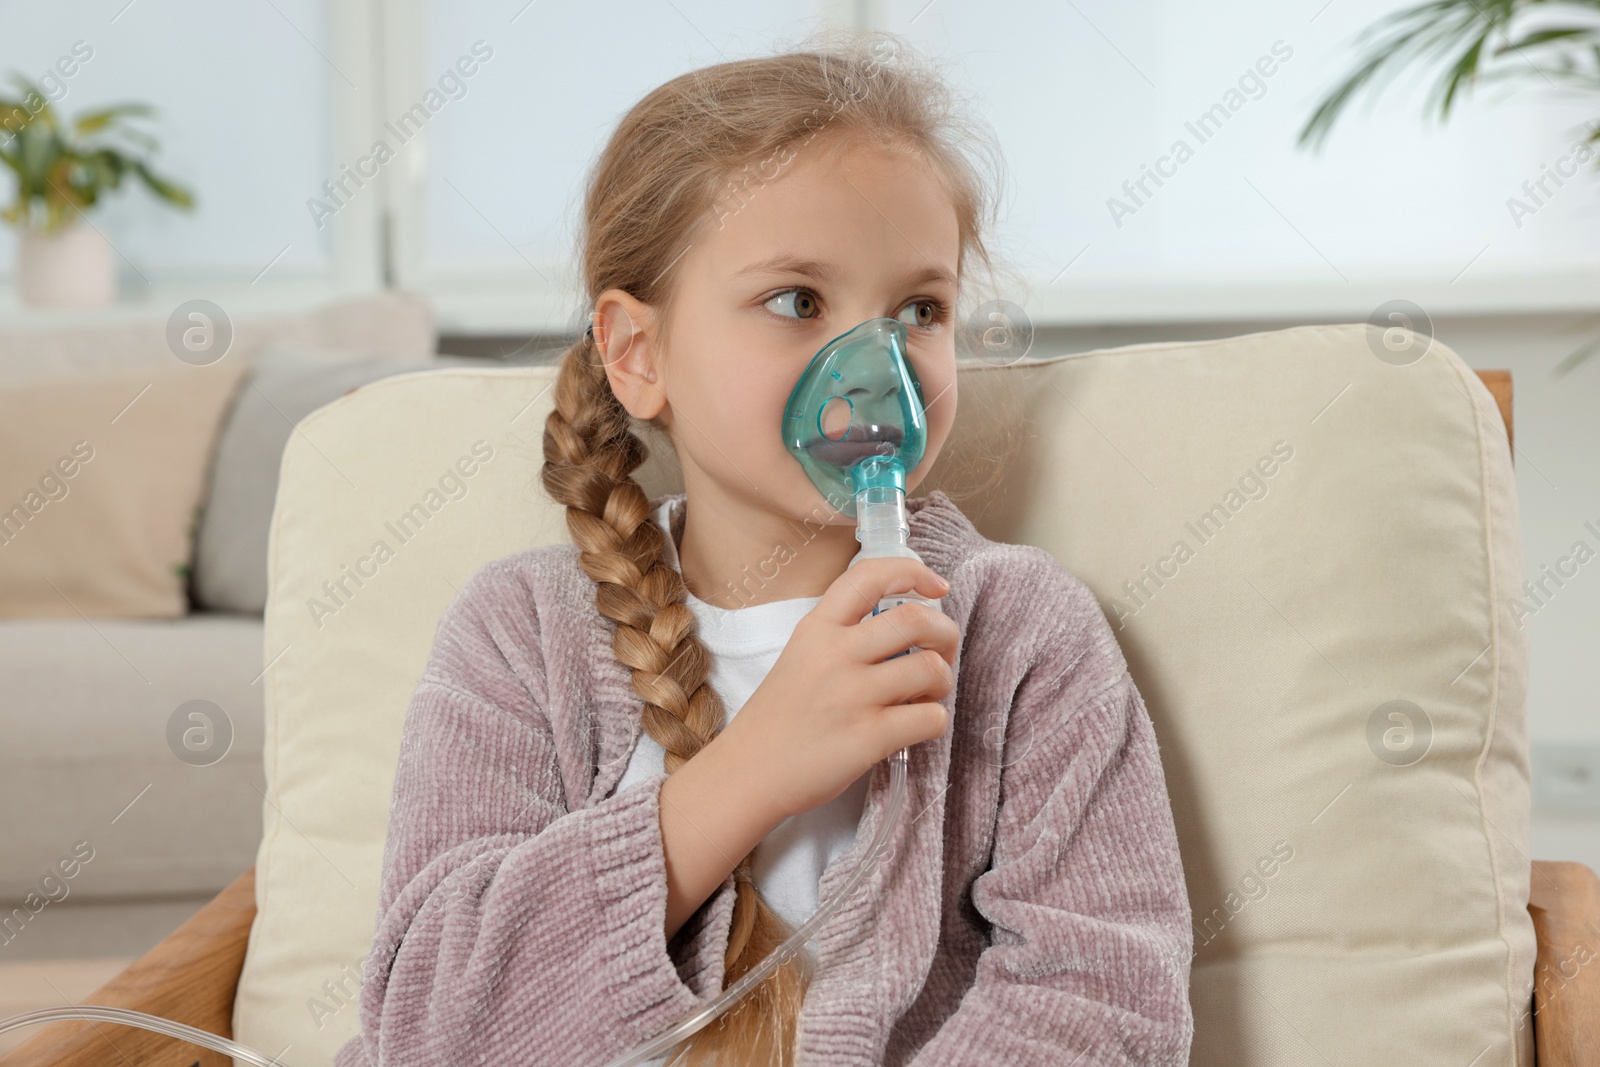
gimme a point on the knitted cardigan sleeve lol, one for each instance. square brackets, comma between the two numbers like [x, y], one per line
[1088, 961]
[510, 929]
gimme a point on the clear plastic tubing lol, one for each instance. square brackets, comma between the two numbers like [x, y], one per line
[882, 529]
[129, 1017]
[734, 993]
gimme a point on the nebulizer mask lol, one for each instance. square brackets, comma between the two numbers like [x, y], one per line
[856, 423]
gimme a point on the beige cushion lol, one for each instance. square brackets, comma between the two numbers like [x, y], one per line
[1324, 533]
[101, 482]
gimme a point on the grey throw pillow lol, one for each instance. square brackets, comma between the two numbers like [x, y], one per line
[286, 384]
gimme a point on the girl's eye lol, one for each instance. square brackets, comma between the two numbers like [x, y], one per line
[803, 303]
[928, 312]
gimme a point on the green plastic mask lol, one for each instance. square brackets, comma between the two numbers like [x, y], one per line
[856, 418]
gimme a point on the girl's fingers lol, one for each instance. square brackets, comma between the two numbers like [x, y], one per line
[920, 675]
[857, 591]
[888, 632]
[907, 724]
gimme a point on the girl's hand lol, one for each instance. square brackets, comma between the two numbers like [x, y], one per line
[834, 704]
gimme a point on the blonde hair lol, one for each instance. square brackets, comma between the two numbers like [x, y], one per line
[688, 151]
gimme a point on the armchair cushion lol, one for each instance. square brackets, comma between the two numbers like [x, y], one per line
[1309, 553]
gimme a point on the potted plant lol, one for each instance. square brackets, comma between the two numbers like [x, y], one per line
[62, 260]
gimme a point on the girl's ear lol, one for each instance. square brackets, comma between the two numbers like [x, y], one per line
[625, 346]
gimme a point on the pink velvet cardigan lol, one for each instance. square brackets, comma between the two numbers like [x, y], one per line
[1031, 909]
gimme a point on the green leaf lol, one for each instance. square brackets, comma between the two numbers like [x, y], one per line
[1453, 30]
[103, 170]
[1539, 37]
[14, 115]
[1462, 73]
[132, 136]
[37, 150]
[105, 117]
[35, 102]
[1577, 356]
[1396, 34]
[166, 190]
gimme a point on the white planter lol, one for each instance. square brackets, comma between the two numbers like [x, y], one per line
[72, 268]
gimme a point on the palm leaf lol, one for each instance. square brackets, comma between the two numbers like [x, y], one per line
[1539, 37]
[1454, 29]
[1577, 356]
[1462, 72]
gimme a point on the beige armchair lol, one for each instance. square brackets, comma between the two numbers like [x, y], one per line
[1111, 444]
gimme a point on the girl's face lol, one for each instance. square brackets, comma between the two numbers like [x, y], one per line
[845, 232]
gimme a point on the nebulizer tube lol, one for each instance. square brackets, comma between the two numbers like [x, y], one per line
[129, 1017]
[856, 422]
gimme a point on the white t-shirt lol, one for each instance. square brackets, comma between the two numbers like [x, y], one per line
[744, 644]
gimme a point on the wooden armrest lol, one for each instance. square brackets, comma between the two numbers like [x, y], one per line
[1498, 382]
[1565, 904]
[189, 977]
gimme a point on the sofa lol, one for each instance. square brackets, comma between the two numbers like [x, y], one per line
[131, 773]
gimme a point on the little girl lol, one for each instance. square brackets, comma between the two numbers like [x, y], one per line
[635, 763]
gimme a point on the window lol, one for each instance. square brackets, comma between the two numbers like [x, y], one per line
[1152, 171]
